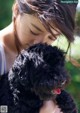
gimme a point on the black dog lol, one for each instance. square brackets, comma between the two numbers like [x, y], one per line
[38, 74]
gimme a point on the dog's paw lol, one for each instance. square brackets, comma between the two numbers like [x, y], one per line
[66, 103]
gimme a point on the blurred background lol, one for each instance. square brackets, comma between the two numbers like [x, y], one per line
[74, 86]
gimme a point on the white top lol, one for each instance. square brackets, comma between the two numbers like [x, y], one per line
[3, 68]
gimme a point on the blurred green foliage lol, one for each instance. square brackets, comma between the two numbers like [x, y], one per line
[78, 18]
[5, 12]
[74, 87]
[77, 31]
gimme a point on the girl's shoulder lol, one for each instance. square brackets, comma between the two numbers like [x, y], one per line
[2, 59]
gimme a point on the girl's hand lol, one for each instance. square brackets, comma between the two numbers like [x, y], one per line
[50, 107]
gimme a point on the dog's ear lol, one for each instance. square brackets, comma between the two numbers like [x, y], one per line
[18, 74]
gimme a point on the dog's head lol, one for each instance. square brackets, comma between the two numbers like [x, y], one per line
[41, 69]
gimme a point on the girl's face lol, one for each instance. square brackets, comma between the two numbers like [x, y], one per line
[30, 31]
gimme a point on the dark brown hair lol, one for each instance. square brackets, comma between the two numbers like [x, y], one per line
[52, 12]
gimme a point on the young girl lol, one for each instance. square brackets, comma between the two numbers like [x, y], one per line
[35, 21]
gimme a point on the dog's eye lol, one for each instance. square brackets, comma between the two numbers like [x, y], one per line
[63, 82]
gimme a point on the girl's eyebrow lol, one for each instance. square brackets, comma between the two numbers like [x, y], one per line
[36, 27]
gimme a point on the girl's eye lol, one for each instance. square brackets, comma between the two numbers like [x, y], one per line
[34, 33]
[51, 38]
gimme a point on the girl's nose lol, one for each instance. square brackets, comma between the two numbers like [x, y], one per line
[45, 38]
[39, 40]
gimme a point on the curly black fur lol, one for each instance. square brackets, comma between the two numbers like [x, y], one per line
[36, 72]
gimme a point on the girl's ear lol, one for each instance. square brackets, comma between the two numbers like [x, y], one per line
[15, 10]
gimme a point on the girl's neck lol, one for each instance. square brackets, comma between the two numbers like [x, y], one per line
[8, 39]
